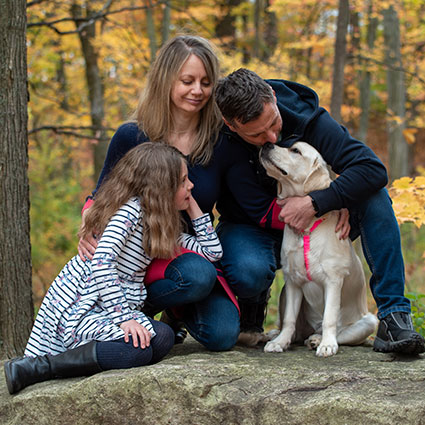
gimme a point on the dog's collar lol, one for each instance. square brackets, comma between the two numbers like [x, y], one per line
[306, 239]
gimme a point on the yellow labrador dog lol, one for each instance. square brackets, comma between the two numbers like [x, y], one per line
[324, 298]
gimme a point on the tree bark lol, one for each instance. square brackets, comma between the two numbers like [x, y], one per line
[225, 25]
[166, 21]
[257, 34]
[398, 149]
[150, 26]
[270, 31]
[339, 60]
[94, 85]
[365, 79]
[16, 306]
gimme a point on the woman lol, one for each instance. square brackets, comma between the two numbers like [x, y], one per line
[178, 107]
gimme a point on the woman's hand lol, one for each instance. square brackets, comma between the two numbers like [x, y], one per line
[138, 333]
[87, 247]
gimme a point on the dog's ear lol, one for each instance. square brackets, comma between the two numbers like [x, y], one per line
[318, 178]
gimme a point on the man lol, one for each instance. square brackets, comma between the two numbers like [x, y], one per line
[256, 111]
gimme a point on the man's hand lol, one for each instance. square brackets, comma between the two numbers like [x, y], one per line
[343, 224]
[296, 212]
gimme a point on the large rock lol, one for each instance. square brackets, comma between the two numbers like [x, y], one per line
[242, 386]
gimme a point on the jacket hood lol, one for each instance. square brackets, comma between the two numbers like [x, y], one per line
[297, 104]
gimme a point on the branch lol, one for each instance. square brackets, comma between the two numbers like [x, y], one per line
[35, 2]
[393, 68]
[102, 14]
[68, 131]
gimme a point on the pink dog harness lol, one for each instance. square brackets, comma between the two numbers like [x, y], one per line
[306, 239]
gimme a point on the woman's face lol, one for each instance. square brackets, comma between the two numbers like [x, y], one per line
[192, 88]
[182, 198]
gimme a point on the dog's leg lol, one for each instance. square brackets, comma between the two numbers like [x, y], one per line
[357, 333]
[294, 297]
[329, 346]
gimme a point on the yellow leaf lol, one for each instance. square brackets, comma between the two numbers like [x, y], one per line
[410, 135]
[402, 183]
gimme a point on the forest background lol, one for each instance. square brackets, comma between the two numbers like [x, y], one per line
[87, 62]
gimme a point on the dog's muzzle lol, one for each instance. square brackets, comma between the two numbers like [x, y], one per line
[265, 149]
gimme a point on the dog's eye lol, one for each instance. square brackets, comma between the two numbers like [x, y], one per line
[295, 150]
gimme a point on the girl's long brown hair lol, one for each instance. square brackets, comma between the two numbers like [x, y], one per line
[152, 172]
[153, 113]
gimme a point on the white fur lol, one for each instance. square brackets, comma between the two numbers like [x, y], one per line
[331, 309]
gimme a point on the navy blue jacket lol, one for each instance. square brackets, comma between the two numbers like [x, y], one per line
[248, 195]
[207, 180]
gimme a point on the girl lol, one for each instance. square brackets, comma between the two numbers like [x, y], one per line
[178, 106]
[91, 319]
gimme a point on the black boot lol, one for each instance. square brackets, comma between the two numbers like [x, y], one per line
[253, 313]
[24, 371]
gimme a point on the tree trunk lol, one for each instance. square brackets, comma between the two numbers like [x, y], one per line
[398, 149]
[339, 60]
[257, 35]
[150, 26]
[225, 25]
[270, 32]
[166, 21]
[95, 86]
[365, 79]
[16, 306]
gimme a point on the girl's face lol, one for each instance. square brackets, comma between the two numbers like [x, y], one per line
[182, 198]
[192, 88]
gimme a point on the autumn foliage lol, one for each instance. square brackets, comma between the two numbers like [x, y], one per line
[288, 39]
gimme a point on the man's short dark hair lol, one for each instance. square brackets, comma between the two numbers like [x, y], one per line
[241, 96]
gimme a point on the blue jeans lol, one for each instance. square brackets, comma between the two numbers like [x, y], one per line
[209, 315]
[375, 222]
[251, 254]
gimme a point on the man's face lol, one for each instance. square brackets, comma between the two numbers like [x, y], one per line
[266, 128]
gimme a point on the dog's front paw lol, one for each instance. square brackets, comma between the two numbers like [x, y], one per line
[326, 350]
[277, 346]
[273, 347]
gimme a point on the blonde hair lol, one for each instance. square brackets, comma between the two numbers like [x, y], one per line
[153, 113]
[152, 172]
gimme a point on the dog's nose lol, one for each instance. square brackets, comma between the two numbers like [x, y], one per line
[265, 149]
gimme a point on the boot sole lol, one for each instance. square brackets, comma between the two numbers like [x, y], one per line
[412, 346]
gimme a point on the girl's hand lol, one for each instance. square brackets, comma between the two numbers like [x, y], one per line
[193, 209]
[137, 331]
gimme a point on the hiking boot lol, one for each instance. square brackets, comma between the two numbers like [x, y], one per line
[396, 334]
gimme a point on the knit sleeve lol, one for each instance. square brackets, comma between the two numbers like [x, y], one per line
[205, 241]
